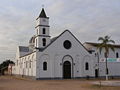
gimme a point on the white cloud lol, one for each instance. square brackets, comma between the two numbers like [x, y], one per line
[87, 19]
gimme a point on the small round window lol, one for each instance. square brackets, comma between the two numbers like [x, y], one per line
[67, 44]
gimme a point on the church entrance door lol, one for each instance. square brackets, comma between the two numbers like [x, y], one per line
[66, 70]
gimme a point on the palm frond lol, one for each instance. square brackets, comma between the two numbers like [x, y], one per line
[100, 47]
[112, 41]
[105, 44]
[107, 37]
[100, 39]
[112, 48]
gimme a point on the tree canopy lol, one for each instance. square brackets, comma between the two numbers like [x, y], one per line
[5, 64]
[106, 44]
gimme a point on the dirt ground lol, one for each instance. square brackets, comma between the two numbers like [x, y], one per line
[12, 83]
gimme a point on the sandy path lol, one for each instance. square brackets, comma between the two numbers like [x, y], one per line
[9, 83]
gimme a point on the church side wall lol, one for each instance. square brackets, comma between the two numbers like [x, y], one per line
[26, 65]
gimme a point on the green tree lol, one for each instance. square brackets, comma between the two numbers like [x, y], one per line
[4, 65]
[106, 44]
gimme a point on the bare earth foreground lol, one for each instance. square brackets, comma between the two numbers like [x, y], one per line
[12, 83]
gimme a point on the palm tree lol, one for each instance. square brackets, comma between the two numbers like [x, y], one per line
[106, 45]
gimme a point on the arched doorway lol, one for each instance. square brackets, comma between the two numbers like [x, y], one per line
[66, 70]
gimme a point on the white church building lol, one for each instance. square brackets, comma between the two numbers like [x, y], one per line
[60, 57]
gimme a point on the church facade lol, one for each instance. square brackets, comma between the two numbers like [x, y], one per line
[60, 57]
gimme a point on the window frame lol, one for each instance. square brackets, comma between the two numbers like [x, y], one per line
[44, 31]
[117, 55]
[44, 41]
[45, 66]
[86, 66]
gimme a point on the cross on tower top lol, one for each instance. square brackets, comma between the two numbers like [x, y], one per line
[42, 5]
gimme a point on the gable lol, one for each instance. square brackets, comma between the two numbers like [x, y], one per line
[66, 35]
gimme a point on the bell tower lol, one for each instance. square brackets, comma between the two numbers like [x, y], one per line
[42, 30]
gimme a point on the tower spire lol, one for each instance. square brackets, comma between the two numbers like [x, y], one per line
[42, 30]
[43, 14]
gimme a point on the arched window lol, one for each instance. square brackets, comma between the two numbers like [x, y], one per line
[44, 41]
[44, 66]
[117, 55]
[37, 32]
[30, 63]
[32, 56]
[44, 31]
[36, 42]
[86, 66]
[26, 64]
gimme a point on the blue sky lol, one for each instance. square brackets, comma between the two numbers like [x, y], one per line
[86, 19]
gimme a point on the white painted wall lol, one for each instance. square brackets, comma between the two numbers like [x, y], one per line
[22, 69]
[112, 66]
[40, 30]
[40, 42]
[42, 21]
[56, 52]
